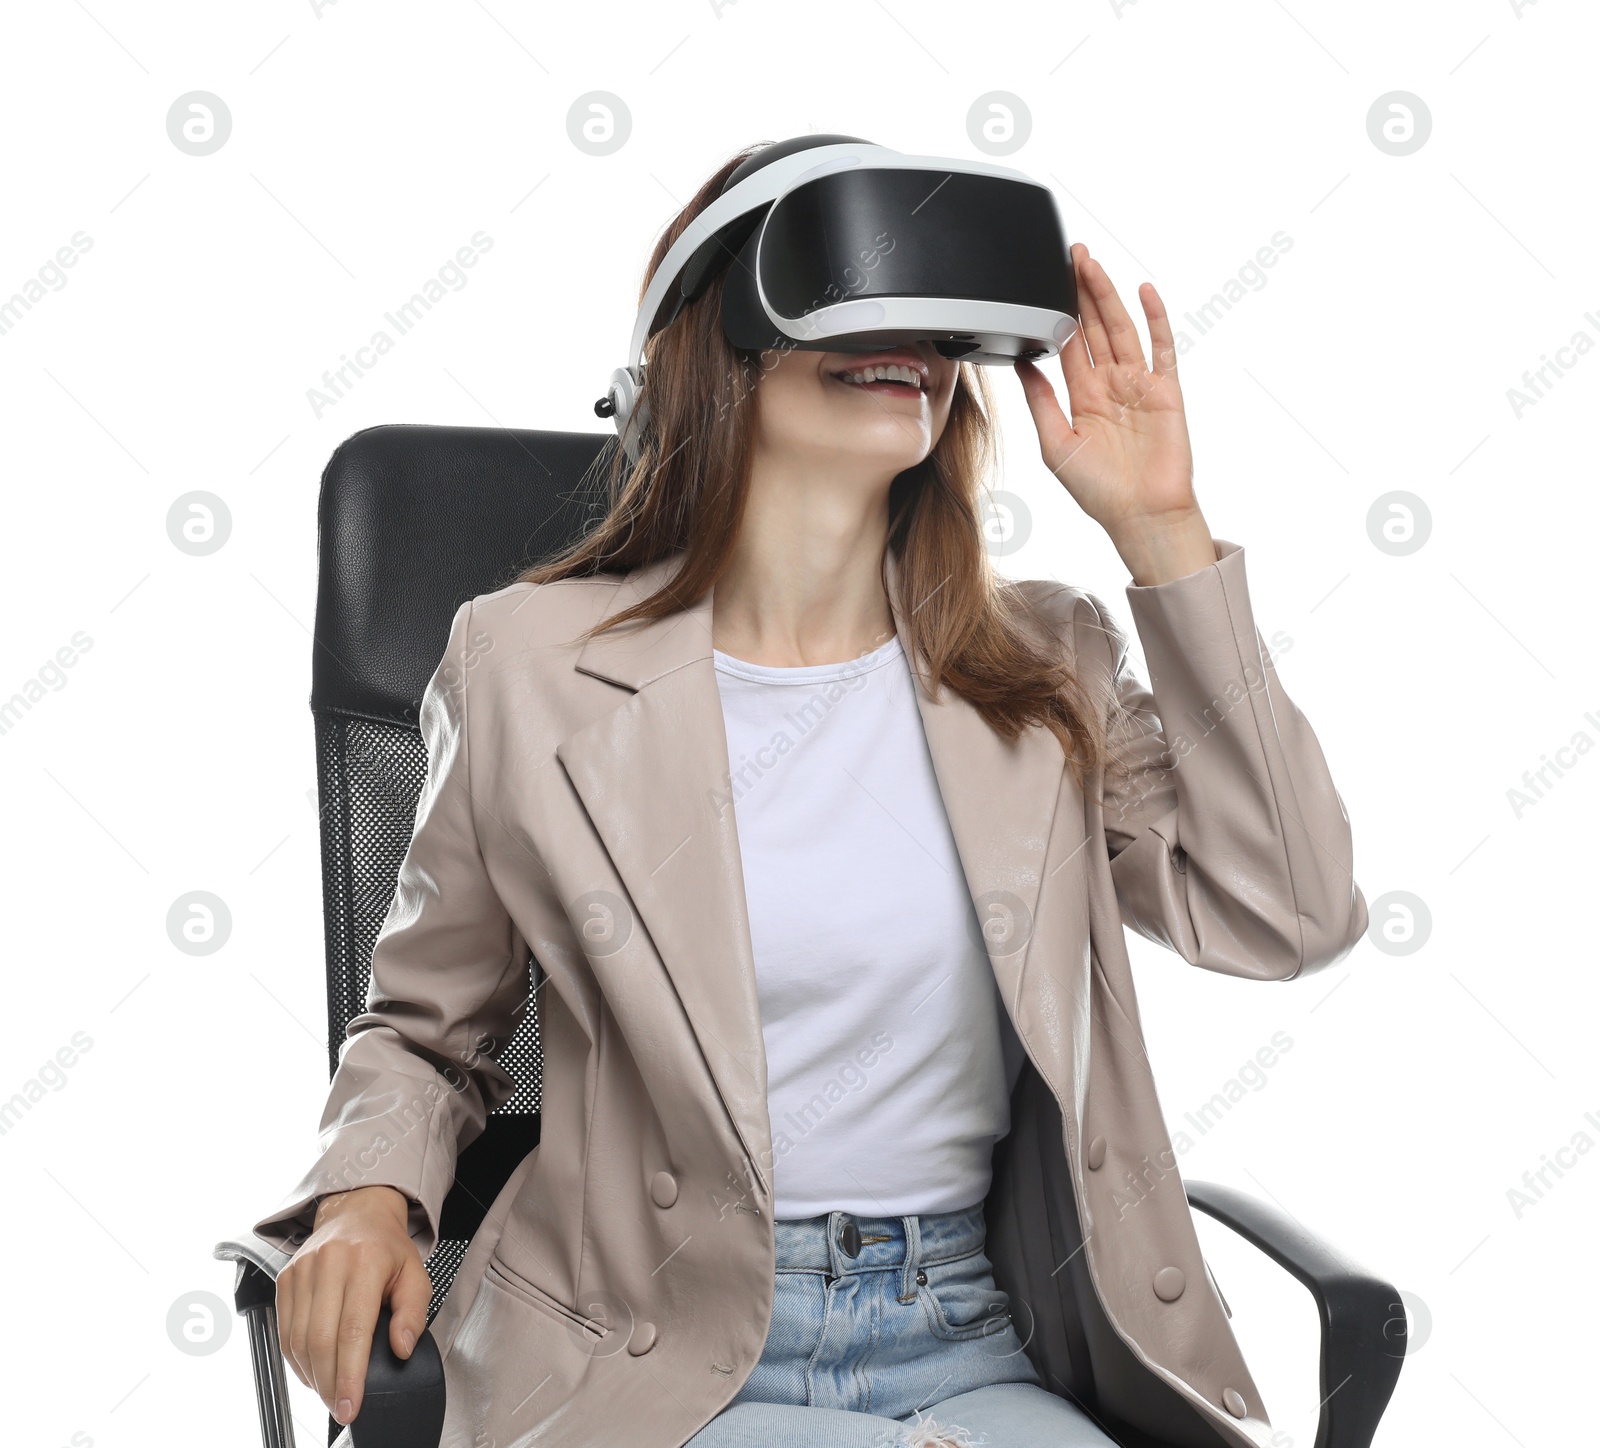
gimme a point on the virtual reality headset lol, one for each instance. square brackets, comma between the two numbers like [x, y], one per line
[833, 244]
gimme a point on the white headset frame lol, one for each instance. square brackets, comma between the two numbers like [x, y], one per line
[768, 185]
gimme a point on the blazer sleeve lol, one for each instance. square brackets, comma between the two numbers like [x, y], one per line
[1229, 843]
[418, 1071]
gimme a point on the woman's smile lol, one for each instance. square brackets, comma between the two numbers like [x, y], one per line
[881, 380]
[898, 373]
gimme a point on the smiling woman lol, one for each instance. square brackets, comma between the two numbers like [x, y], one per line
[760, 1245]
[780, 436]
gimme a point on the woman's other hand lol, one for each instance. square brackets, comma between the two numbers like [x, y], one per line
[1124, 455]
[358, 1257]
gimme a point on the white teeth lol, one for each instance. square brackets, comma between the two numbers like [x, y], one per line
[891, 372]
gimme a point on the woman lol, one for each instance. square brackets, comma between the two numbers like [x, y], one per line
[811, 928]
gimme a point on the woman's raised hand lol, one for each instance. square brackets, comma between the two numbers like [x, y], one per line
[1124, 455]
[359, 1256]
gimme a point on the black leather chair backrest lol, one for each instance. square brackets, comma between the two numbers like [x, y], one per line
[413, 521]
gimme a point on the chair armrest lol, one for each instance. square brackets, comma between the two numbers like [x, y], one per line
[261, 1254]
[403, 1402]
[1363, 1319]
[255, 1298]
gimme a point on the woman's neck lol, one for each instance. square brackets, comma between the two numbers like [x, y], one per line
[803, 585]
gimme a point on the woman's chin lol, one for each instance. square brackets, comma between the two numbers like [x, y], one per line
[888, 437]
[888, 441]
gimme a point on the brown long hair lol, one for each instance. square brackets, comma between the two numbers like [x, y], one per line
[687, 492]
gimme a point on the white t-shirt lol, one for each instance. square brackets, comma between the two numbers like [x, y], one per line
[890, 1057]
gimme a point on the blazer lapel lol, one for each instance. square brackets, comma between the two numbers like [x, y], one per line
[1000, 797]
[653, 776]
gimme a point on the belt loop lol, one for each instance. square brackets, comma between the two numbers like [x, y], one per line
[908, 1272]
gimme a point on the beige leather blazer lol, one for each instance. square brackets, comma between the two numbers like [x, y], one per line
[620, 1289]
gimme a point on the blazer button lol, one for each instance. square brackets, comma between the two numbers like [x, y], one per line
[1096, 1155]
[1168, 1283]
[643, 1339]
[663, 1189]
[1234, 1403]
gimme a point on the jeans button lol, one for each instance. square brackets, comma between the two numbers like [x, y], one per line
[850, 1239]
[922, 1278]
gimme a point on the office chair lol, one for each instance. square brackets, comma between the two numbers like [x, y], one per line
[412, 521]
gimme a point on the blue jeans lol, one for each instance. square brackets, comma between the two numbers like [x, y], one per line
[889, 1332]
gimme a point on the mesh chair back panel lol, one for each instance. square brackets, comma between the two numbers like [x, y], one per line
[413, 521]
[371, 776]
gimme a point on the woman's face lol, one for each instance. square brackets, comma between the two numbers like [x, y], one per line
[813, 406]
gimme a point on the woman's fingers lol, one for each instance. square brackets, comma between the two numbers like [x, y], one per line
[358, 1317]
[408, 1304]
[286, 1307]
[1164, 351]
[322, 1326]
[1089, 322]
[300, 1322]
[1043, 403]
[1075, 366]
[1121, 335]
[365, 1291]
[1106, 333]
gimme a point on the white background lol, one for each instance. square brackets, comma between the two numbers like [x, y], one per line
[367, 145]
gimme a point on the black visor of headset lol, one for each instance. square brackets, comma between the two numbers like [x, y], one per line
[833, 244]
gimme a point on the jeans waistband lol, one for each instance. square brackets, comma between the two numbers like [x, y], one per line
[840, 1243]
